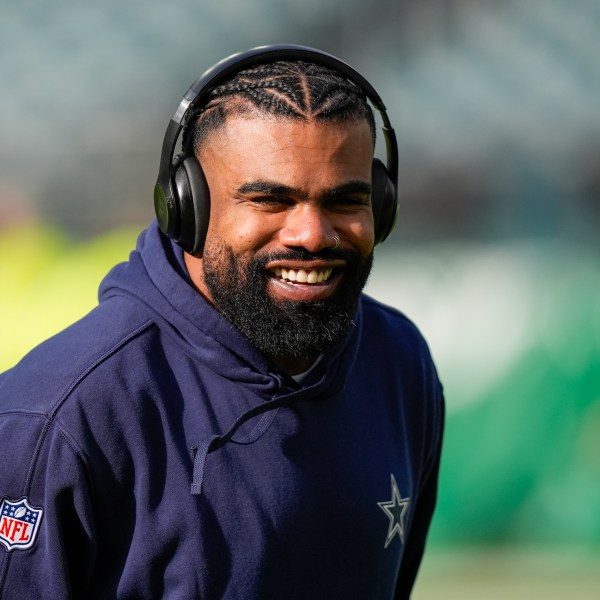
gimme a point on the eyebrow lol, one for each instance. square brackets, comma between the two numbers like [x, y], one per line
[347, 189]
[262, 186]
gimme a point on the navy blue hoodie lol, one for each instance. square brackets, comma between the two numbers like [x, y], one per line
[150, 451]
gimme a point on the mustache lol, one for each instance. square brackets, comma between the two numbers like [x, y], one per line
[300, 254]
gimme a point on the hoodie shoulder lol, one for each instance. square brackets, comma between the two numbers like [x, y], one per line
[398, 345]
[45, 376]
[391, 324]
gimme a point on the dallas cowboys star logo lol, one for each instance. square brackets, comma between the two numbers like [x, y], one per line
[396, 510]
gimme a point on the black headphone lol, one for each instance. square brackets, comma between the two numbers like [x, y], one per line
[181, 195]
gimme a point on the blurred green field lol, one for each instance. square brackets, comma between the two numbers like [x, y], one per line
[502, 573]
[515, 332]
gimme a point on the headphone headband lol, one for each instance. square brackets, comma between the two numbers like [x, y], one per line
[165, 197]
[267, 54]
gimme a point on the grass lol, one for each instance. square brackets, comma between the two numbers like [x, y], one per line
[509, 573]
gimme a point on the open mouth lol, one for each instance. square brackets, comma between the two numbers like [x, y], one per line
[303, 276]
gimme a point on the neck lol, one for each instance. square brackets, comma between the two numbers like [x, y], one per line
[293, 366]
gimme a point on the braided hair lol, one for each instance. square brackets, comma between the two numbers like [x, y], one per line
[294, 89]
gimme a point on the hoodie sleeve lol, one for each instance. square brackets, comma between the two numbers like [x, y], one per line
[425, 507]
[46, 500]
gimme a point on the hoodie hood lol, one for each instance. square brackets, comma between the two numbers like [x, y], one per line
[155, 278]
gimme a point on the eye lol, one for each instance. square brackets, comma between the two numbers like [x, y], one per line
[352, 196]
[271, 202]
[348, 203]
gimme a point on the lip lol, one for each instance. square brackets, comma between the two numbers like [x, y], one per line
[305, 264]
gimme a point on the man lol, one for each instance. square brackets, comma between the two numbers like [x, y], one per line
[235, 419]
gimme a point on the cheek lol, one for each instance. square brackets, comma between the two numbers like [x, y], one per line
[241, 229]
[361, 233]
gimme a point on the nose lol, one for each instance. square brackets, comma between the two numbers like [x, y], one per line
[308, 227]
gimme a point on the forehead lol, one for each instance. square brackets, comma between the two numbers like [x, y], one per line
[255, 145]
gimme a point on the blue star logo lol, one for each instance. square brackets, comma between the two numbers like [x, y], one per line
[396, 510]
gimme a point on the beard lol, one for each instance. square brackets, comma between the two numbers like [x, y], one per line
[283, 328]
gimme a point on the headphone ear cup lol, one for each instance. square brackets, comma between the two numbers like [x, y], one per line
[194, 204]
[383, 200]
[167, 211]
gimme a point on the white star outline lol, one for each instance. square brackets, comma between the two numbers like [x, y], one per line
[396, 510]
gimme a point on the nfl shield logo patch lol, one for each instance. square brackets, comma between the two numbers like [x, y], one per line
[19, 524]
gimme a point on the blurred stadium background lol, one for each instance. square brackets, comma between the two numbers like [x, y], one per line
[496, 107]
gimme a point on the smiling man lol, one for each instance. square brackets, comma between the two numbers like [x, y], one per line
[236, 419]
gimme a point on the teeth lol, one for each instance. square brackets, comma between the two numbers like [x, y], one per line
[302, 275]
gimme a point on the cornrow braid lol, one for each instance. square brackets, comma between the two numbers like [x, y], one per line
[294, 89]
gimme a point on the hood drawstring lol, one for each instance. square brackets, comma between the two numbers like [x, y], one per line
[218, 441]
[268, 410]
